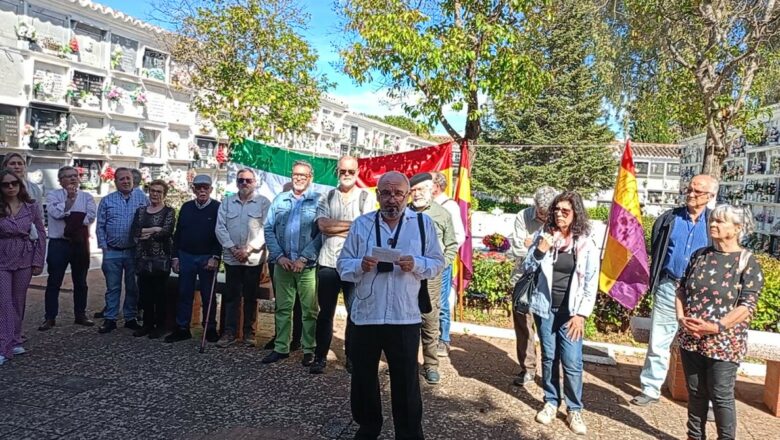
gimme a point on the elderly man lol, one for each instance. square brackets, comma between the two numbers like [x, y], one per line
[70, 211]
[445, 314]
[527, 222]
[335, 214]
[294, 243]
[422, 201]
[196, 254]
[114, 218]
[386, 255]
[677, 234]
[240, 231]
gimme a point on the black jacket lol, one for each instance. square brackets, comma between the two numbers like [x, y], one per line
[659, 241]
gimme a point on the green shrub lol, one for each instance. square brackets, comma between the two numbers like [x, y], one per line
[487, 205]
[490, 281]
[600, 213]
[767, 316]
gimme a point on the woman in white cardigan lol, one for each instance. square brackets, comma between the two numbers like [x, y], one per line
[566, 260]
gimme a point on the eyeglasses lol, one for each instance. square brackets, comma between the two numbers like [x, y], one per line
[11, 184]
[345, 172]
[243, 181]
[394, 194]
[696, 193]
[203, 186]
[301, 175]
[156, 191]
[565, 212]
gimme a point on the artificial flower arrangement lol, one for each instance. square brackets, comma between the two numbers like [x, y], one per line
[154, 73]
[108, 174]
[53, 136]
[194, 152]
[138, 96]
[146, 175]
[26, 32]
[173, 148]
[27, 130]
[72, 91]
[116, 57]
[111, 139]
[222, 155]
[114, 94]
[496, 242]
[74, 45]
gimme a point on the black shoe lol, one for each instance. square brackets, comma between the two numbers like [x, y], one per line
[348, 366]
[308, 359]
[143, 331]
[83, 320]
[98, 315]
[180, 334]
[212, 335]
[132, 325]
[48, 324]
[275, 356]
[295, 346]
[270, 344]
[107, 326]
[156, 333]
[318, 366]
[523, 379]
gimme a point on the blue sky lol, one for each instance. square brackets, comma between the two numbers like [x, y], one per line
[323, 34]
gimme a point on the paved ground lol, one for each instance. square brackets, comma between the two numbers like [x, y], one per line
[75, 383]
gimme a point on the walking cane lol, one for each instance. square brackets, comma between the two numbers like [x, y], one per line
[208, 310]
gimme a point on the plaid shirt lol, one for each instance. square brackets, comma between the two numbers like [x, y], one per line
[114, 218]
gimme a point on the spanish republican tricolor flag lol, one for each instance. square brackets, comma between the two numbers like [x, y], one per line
[274, 165]
[463, 267]
[624, 268]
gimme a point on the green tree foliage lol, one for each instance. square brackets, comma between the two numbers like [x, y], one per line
[567, 113]
[440, 54]
[495, 173]
[252, 72]
[405, 123]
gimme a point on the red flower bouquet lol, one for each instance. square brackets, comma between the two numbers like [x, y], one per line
[496, 242]
[107, 174]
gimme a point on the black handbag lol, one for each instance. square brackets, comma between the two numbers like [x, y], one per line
[423, 297]
[524, 288]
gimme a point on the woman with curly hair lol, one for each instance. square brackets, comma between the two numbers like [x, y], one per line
[566, 261]
[22, 247]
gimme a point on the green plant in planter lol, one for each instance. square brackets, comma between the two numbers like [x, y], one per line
[767, 316]
[491, 280]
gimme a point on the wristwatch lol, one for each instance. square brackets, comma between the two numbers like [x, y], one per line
[303, 260]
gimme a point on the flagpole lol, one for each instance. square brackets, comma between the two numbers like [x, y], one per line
[460, 293]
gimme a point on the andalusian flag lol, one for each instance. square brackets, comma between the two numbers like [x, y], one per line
[624, 267]
[274, 165]
[463, 268]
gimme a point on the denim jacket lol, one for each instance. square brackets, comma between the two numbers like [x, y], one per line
[310, 240]
[584, 283]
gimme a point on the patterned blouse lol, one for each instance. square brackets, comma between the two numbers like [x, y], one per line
[17, 251]
[711, 289]
[159, 245]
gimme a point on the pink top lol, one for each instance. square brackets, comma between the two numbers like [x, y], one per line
[17, 251]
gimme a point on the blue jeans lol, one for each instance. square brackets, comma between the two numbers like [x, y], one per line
[116, 265]
[663, 328]
[190, 267]
[444, 300]
[558, 349]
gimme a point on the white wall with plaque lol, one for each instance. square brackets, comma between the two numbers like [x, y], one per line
[124, 52]
[90, 42]
[49, 83]
[9, 126]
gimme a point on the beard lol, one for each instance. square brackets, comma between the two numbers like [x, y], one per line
[391, 212]
[421, 203]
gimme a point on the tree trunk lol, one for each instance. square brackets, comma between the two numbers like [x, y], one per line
[715, 150]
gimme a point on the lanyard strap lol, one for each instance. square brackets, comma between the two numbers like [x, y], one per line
[393, 241]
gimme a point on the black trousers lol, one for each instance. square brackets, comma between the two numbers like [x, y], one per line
[329, 284]
[297, 326]
[710, 379]
[151, 289]
[240, 282]
[400, 343]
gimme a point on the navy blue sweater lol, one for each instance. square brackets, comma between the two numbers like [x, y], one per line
[195, 230]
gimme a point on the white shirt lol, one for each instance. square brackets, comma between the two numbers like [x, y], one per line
[457, 222]
[241, 224]
[340, 210]
[55, 206]
[389, 298]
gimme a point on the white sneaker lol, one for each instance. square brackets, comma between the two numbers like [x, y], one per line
[576, 424]
[2, 359]
[547, 414]
[18, 350]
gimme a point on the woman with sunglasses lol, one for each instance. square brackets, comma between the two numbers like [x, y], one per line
[16, 163]
[21, 257]
[567, 261]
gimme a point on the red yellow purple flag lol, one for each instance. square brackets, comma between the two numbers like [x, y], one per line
[463, 264]
[624, 268]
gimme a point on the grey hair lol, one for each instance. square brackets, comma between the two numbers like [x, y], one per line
[303, 163]
[65, 168]
[440, 180]
[739, 215]
[544, 197]
[246, 170]
[137, 177]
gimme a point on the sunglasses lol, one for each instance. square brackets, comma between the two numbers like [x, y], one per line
[345, 172]
[243, 181]
[11, 184]
[565, 212]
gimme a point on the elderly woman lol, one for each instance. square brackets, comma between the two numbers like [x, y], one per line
[715, 303]
[152, 230]
[16, 163]
[21, 257]
[567, 262]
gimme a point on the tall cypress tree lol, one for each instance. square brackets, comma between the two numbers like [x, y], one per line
[567, 113]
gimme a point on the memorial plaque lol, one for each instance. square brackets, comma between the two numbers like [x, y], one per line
[49, 24]
[88, 83]
[129, 50]
[9, 126]
[156, 104]
[52, 83]
[90, 39]
[45, 119]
